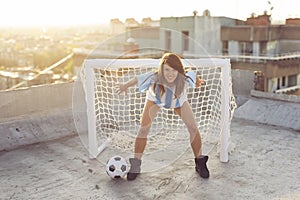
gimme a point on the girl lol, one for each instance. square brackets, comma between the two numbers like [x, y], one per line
[166, 88]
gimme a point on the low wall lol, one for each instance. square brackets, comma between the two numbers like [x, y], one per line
[273, 109]
[44, 112]
[35, 100]
[35, 114]
[242, 82]
[274, 96]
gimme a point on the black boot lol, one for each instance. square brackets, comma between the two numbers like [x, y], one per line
[201, 167]
[135, 168]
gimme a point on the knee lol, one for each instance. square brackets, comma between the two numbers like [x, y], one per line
[192, 128]
[143, 132]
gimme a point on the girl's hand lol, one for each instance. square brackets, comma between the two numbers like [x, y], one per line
[199, 82]
[122, 88]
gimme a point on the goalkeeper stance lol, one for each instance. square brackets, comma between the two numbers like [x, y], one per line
[166, 88]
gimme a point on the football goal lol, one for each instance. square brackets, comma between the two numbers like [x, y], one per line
[113, 119]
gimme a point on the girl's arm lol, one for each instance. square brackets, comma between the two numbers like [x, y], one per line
[199, 81]
[194, 79]
[124, 87]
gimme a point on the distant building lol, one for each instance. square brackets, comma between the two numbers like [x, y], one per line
[261, 20]
[292, 21]
[194, 35]
[26, 76]
[116, 26]
[254, 44]
[265, 49]
[148, 22]
[131, 22]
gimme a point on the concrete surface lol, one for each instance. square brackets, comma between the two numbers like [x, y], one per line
[272, 112]
[263, 165]
[35, 114]
[35, 100]
[42, 157]
[30, 129]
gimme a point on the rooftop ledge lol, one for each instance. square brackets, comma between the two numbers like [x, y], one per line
[44, 112]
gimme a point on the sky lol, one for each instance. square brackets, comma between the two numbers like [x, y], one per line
[79, 12]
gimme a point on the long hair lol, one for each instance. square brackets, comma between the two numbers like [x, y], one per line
[174, 62]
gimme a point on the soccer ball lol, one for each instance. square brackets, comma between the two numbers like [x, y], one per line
[116, 167]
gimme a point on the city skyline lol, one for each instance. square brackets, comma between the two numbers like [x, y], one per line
[46, 13]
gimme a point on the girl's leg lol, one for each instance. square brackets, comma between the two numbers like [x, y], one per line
[149, 113]
[187, 116]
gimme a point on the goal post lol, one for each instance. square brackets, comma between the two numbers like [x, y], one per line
[225, 110]
[113, 117]
[90, 100]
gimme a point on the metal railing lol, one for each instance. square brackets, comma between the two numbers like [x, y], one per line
[288, 89]
[57, 64]
[250, 58]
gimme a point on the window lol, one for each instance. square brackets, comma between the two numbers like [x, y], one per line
[246, 48]
[283, 81]
[263, 48]
[168, 40]
[292, 80]
[225, 47]
[185, 39]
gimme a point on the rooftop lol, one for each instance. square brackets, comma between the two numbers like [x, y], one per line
[263, 165]
[42, 156]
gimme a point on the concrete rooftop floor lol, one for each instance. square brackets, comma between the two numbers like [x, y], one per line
[265, 164]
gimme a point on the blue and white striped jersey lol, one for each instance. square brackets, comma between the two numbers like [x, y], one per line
[168, 99]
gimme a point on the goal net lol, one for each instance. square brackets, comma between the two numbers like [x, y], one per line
[114, 119]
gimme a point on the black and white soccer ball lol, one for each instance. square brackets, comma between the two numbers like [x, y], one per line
[117, 167]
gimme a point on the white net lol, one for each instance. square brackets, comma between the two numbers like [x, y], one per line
[117, 116]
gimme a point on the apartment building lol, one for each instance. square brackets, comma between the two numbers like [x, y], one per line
[271, 51]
